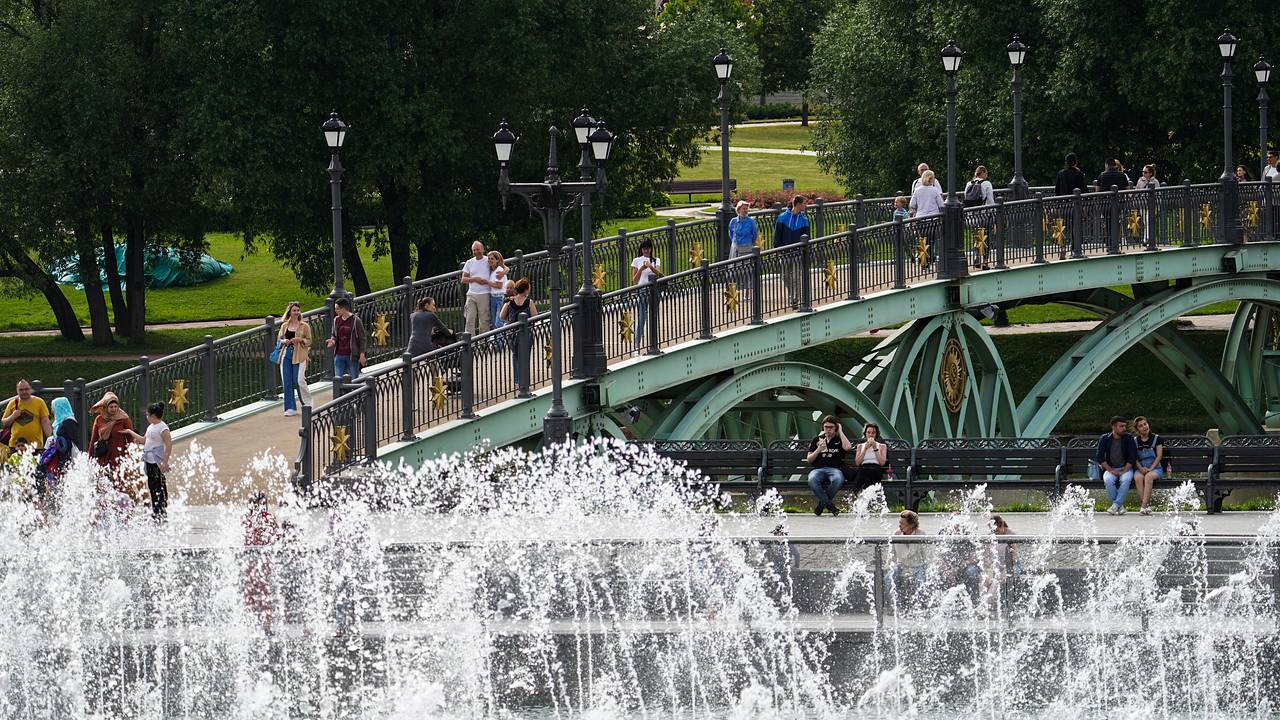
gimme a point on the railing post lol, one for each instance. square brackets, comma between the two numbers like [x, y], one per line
[859, 211]
[1114, 222]
[567, 257]
[524, 347]
[1189, 217]
[1151, 224]
[757, 287]
[517, 266]
[407, 397]
[1002, 231]
[327, 325]
[671, 248]
[819, 218]
[406, 312]
[210, 381]
[144, 385]
[1077, 224]
[705, 314]
[899, 254]
[81, 405]
[855, 259]
[878, 579]
[806, 282]
[1268, 213]
[652, 319]
[370, 417]
[624, 263]
[270, 370]
[305, 472]
[1038, 227]
[467, 364]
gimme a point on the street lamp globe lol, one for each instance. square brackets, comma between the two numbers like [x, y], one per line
[601, 143]
[503, 141]
[1262, 70]
[1017, 52]
[1227, 44]
[582, 127]
[724, 65]
[335, 131]
[951, 58]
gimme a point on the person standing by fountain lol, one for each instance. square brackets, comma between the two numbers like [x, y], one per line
[1149, 467]
[157, 448]
[109, 439]
[1117, 455]
[26, 418]
[907, 557]
[260, 530]
[826, 455]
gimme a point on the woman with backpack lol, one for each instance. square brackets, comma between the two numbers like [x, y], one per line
[978, 193]
[58, 452]
[1150, 466]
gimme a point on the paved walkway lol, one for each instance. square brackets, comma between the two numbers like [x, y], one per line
[154, 326]
[765, 151]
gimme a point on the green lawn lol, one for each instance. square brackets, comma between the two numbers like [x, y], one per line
[787, 137]
[758, 171]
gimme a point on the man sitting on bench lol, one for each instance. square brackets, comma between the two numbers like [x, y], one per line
[826, 454]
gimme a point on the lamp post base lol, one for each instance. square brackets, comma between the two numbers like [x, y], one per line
[556, 428]
[955, 262]
[589, 359]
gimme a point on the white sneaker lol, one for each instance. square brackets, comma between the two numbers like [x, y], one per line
[1146, 511]
[1113, 509]
[290, 413]
[1121, 510]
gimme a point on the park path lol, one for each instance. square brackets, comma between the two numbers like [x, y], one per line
[200, 325]
[764, 151]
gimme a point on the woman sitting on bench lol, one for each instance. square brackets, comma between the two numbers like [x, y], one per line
[826, 454]
[871, 458]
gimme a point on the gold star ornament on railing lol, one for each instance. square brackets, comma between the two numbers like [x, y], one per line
[1206, 216]
[1251, 214]
[381, 330]
[597, 276]
[980, 243]
[341, 446]
[731, 298]
[626, 327]
[546, 354]
[439, 394]
[1060, 231]
[922, 250]
[695, 255]
[829, 275]
[1134, 223]
[178, 395]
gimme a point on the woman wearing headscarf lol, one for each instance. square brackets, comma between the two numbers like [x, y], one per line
[109, 439]
[58, 452]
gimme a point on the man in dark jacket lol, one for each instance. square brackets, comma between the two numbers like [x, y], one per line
[792, 225]
[1070, 178]
[347, 340]
[1113, 175]
[1117, 456]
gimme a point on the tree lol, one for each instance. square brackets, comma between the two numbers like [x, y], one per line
[787, 30]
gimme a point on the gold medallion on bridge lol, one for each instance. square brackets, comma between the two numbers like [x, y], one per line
[1206, 216]
[980, 244]
[1060, 231]
[341, 446]
[178, 395]
[381, 330]
[829, 275]
[439, 394]
[626, 327]
[731, 298]
[922, 250]
[695, 255]
[953, 376]
[1133, 224]
[597, 276]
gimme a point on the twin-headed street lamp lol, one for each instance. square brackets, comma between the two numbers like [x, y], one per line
[954, 264]
[1017, 55]
[553, 199]
[1262, 71]
[335, 133]
[1232, 228]
[723, 64]
[589, 360]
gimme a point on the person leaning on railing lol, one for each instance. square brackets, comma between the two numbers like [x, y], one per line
[519, 303]
[427, 331]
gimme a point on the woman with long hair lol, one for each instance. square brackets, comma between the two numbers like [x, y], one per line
[295, 349]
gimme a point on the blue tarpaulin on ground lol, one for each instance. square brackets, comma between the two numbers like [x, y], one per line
[165, 267]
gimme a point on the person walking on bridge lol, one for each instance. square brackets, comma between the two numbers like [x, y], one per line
[790, 229]
[920, 171]
[478, 277]
[645, 269]
[743, 231]
[295, 344]
[1070, 177]
[1112, 176]
[347, 340]
[498, 285]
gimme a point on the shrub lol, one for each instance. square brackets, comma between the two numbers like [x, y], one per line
[766, 198]
[777, 111]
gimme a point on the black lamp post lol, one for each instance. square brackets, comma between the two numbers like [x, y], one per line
[335, 133]
[552, 199]
[1232, 228]
[589, 359]
[1017, 54]
[724, 69]
[1262, 71]
[954, 264]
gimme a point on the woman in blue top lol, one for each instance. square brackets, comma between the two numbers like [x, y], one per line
[1150, 461]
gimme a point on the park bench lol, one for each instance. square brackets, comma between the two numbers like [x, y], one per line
[690, 188]
[785, 462]
[1001, 463]
[731, 464]
[1186, 457]
[1243, 461]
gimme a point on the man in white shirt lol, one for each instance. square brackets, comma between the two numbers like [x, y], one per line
[1273, 167]
[477, 276]
[919, 174]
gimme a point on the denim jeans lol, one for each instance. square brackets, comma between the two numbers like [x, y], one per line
[825, 483]
[1117, 494]
[642, 320]
[495, 304]
[346, 365]
[288, 378]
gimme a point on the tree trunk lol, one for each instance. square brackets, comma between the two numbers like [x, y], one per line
[91, 276]
[804, 112]
[393, 203]
[135, 275]
[351, 259]
[20, 265]
[119, 310]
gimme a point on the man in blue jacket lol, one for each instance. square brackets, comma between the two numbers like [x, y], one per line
[791, 226]
[1117, 456]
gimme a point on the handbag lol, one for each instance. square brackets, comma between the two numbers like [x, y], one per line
[1095, 471]
[5, 434]
[274, 357]
[100, 449]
